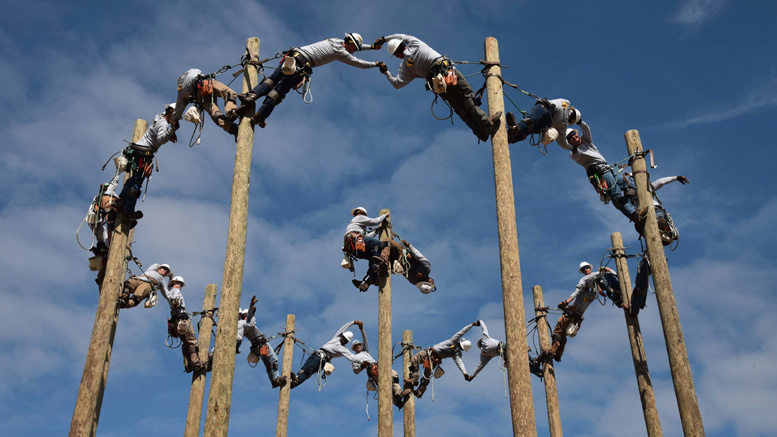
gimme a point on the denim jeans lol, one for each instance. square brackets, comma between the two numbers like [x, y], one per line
[615, 191]
[311, 366]
[282, 85]
[135, 182]
[541, 117]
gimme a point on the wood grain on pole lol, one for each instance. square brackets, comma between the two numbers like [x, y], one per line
[644, 384]
[409, 408]
[549, 372]
[283, 399]
[197, 394]
[521, 407]
[690, 415]
[90, 392]
[385, 396]
[220, 395]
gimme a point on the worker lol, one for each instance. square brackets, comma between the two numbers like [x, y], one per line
[574, 307]
[203, 90]
[583, 151]
[180, 320]
[297, 65]
[548, 118]
[363, 360]
[419, 269]
[667, 231]
[360, 243]
[334, 348]
[441, 76]
[140, 155]
[641, 284]
[260, 347]
[489, 348]
[138, 288]
[431, 358]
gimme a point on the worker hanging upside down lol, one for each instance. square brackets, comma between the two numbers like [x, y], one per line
[489, 348]
[203, 90]
[363, 360]
[140, 156]
[296, 66]
[363, 244]
[421, 61]
[138, 288]
[666, 228]
[260, 346]
[548, 118]
[429, 360]
[179, 319]
[574, 307]
[320, 359]
[603, 177]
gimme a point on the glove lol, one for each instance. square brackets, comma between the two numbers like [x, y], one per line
[173, 137]
[359, 323]
[382, 67]
[468, 377]
[378, 43]
[562, 305]
[477, 323]
[683, 180]
[176, 125]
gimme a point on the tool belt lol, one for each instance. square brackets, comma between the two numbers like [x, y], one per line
[304, 67]
[172, 328]
[178, 314]
[139, 157]
[323, 355]
[595, 173]
[372, 372]
[574, 315]
[442, 65]
[353, 242]
[441, 75]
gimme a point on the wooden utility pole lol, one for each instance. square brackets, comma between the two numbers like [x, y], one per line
[194, 416]
[220, 395]
[649, 409]
[409, 408]
[385, 396]
[86, 414]
[690, 416]
[521, 407]
[549, 374]
[283, 399]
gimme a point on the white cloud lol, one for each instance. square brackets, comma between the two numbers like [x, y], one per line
[697, 12]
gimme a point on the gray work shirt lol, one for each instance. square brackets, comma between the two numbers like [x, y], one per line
[586, 153]
[420, 267]
[489, 348]
[359, 224]
[249, 329]
[561, 121]
[187, 90]
[332, 49]
[584, 294]
[335, 348]
[157, 134]
[450, 348]
[420, 58]
[158, 281]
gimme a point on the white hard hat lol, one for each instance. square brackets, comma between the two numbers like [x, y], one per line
[359, 208]
[465, 344]
[574, 115]
[178, 279]
[584, 264]
[392, 46]
[356, 38]
[426, 287]
[167, 266]
[355, 343]
[348, 335]
[242, 311]
[570, 132]
[171, 106]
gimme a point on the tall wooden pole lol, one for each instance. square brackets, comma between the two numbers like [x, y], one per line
[283, 399]
[197, 394]
[649, 409]
[90, 393]
[385, 396]
[409, 408]
[521, 407]
[220, 395]
[685, 392]
[551, 394]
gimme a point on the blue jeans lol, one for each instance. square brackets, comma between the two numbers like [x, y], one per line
[626, 204]
[541, 117]
[310, 368]
[136, 183]
[371, 245]
[283, 84]
[270, 363]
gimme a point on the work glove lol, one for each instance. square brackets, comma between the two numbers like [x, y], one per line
[562, 305]
[173, 137]
[378, 43]
[359, 323]
[382, 67]
[468, 377]
[176, 125]
[683, 180]
[477, 323]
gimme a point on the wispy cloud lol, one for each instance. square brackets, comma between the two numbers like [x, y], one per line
[695, 13]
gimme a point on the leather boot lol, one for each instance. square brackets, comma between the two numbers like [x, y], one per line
[278, 382]
[258, 121]
[493, 122]
[511, 120]
[249, 97]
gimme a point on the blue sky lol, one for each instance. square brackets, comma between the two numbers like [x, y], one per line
[697, 78]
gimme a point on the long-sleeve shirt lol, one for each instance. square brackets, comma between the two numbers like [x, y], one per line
[158, 281]
[420, 267]
[418, 60]
[359, 224]
[187, 88]
[585, 293]
[450, 348]
[586, 153]
[561, 121]
[174, 297]
[157, 134]
[362, 357]
[335, 348]
[489, 348]
[248, 329]
[332, 49]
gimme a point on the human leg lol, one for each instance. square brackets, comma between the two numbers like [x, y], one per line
[189, 346]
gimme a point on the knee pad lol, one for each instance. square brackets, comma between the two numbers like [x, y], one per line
[275, 97]
[269, 82]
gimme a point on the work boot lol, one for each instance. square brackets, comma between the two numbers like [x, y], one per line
[419, 393]
[361, 285]
[382, 263]
[294, 381]
[258, 121]
[511, 120]
[535, 366]
[249, 97]
[493, 122]
[278, 382]
[137, 215]
[232, 116]
[233, 130]
[513, 134]
[483, 137]
[245, 110]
